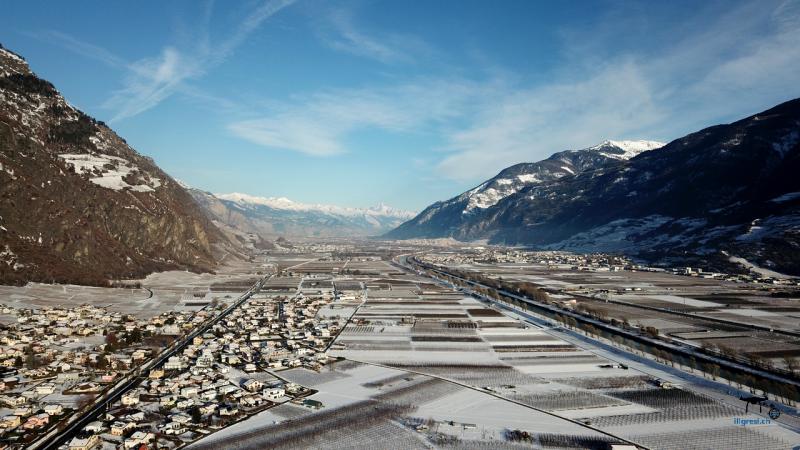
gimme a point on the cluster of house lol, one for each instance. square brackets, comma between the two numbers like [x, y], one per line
[225, 374]
[315, 248]
[750, 277]
[169, 407]
[52, 360]
[551, 259]
[277, 331]
[592, 262]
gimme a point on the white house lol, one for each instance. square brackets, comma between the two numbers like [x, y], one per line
[130, 398]
[53, 409]
[138, 438]
[274, 393]
[252, 385]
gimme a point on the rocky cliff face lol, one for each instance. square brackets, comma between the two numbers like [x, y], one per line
[77, 204]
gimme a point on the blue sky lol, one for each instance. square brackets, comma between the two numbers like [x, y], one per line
[404, 102]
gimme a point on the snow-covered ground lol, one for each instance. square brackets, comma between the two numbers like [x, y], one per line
[787, 429]
[759, 270]
[748, 312]
[494, 414]
[108, 171]
[684, 301]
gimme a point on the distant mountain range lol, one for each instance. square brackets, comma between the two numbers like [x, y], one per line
[272, 217]
[77, 204]
[726, 191]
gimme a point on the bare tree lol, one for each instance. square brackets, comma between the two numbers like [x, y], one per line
[791, 363]
[83, 401]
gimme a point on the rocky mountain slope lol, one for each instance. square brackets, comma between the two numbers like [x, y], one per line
[724, 192]
[271, 217]
[77, 204]
[451, 217]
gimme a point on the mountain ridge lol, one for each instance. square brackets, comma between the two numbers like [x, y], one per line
[380, 209]
[464, 208]
[272, 217]
[709, 192]
[77, 203]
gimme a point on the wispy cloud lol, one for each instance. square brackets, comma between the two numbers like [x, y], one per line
[744, 61]
[80, 47]
[528, 124]
[250, 24]
[152, 80]
[342, 34]
[149, 81]
[319, 124]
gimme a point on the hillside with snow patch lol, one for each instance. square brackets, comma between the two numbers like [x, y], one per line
[445, 218]
[77, 203]
[725, 191]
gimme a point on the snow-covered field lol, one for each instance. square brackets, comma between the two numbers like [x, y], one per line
[748, 312]
[129, 301]
[494, 415]
[160, 292]
[759, 270]
[684, 301]
[473, 374]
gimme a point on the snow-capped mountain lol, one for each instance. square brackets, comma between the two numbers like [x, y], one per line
[624, 149]
[273, 216]
[569, 162]
[284, 203]
[444, 218]
[728, 191]
[77, 204]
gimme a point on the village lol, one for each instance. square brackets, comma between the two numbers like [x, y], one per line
[596, 262]
[57, 361]
[318, 332]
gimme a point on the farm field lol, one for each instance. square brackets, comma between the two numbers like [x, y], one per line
[651, 299]
[159, 292]
[502, 364]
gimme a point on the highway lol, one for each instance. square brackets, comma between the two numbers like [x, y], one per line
[646, 364]
[78, 421]
[633, 335]
[711, 388]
